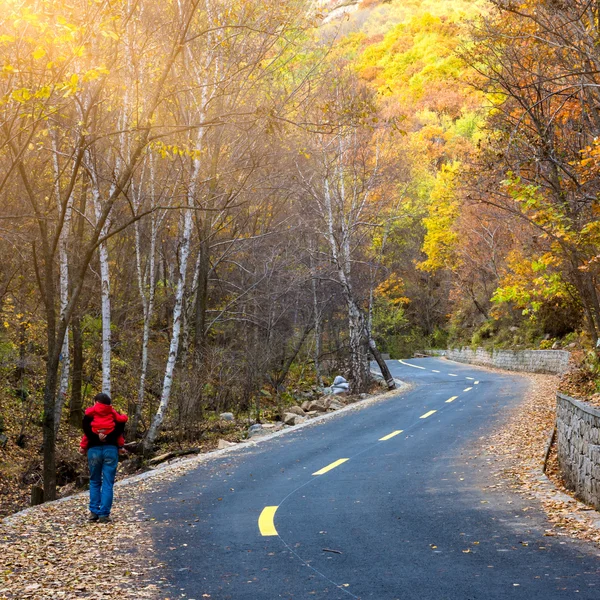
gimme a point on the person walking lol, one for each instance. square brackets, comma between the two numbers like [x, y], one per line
[103, 457]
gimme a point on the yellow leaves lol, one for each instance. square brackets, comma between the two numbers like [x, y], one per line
[94, 73]
[443, 211]
[110, 34]
[21, 95]
[39, 53]
[70, 86]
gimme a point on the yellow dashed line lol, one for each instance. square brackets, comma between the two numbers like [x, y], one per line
[467, 389]
[333, 465]
[428, 414]
[470, 378]
[477, 383]
[452, 375]
[434, 371]
[265, 521]
[451, 399]
[390, 435]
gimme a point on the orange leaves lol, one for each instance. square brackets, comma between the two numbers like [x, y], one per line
[393, 290]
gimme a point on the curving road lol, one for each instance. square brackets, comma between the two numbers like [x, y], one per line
[391, 501]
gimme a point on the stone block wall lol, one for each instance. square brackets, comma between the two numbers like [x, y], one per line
[531, 361]
[578, 443]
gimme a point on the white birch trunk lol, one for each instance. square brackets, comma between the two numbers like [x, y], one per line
[104, 295]
[177, 315]
[148, 309]
[63, 259]
[357, 330]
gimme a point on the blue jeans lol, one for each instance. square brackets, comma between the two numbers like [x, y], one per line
[103, 462]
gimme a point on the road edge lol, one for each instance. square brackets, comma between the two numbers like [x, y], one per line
[162, 469]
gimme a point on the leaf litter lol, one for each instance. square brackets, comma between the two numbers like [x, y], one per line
[519, 445]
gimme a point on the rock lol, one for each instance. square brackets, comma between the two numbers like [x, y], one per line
[312, 413]
[256, 428]
[293, 419]
[3, 440]
[555, 346]
[317, 405]
[305, 404]
[572, 345]
[363, 396]
[335, 405]
[227, 416]
[341, 388]
[224, 444]
[269, 425]
[328, 400]
[339, 380]
[296, 410]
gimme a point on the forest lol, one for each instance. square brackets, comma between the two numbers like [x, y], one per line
[218, 205]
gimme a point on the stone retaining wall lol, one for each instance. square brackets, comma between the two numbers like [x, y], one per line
[578, 442]
[532, 361]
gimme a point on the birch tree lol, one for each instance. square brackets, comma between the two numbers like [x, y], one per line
[341, 178]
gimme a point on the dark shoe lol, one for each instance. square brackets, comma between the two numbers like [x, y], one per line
[93, 517]
[104, 519]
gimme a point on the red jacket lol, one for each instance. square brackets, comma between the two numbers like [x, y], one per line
[104, 418]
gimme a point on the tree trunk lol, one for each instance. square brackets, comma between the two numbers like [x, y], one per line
[76, 403]
[148, 307]
[49, 470]
[63, 261]
[202, 293]
[104, 291]
[177, 314]
[385, 371]
[359, 354]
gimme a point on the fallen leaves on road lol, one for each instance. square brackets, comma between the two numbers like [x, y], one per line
[520, 444]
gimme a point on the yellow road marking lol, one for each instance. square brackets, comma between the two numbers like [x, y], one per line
[452, 375]
[390, 435]
[470, 378]
[333, 465]
[434, 371]
[451, 399]
[477, 383]
[409, 365]
[428, 414]
[265, 521]
[467, 389]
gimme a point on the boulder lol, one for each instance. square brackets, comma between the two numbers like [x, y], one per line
[329, 400]
[339, 380]
[335, 405]
[317, 405]
[224, 444]
[256, 428]
[305, 405]
[227, 416]
[312, 413]
[296, 410]
[293, 419]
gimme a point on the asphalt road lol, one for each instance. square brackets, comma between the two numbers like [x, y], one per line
[406, 516]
